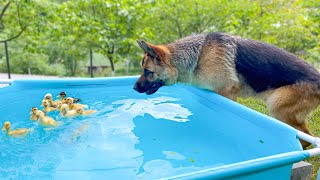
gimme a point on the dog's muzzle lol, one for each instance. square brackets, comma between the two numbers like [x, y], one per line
[148, 87]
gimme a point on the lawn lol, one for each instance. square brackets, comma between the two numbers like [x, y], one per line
[314, 125]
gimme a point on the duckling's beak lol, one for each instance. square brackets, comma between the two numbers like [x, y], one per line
[58, 96]
[4, 128]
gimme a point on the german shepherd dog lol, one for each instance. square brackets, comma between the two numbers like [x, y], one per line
[235, 67]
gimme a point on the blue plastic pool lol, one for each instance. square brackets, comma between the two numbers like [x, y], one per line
[180, 132]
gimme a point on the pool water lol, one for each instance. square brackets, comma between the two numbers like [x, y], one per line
[132, 136]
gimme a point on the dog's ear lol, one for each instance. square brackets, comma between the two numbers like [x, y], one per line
[139, 43]
[147, 49]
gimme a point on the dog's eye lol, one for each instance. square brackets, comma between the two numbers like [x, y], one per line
[147, 72]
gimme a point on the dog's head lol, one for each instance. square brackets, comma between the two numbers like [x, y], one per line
[157, 68]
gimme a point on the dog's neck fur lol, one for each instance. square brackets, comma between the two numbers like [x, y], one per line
[185, 53]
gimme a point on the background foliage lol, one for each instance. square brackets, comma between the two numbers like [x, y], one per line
[60, 33]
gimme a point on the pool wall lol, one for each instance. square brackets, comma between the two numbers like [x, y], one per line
[275, 166]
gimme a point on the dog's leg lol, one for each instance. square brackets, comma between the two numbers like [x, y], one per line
[303, 127]
[292, 105]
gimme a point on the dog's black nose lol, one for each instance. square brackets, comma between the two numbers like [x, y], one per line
[135, 87]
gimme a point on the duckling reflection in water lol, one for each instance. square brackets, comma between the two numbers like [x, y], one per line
[79, 131]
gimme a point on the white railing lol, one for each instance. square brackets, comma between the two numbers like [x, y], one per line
[313, 140]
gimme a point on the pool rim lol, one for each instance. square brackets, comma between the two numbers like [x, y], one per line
[225, 171]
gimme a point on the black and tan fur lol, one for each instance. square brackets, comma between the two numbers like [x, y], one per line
[235, 67]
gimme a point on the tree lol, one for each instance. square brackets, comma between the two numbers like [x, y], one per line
[7, 33]
[61, 34]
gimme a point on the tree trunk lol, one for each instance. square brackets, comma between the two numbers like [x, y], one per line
[128, 59]
[7, 59]
[75, 67]
[91, 73]
[109, 56]
[110, 53]
[111, 64]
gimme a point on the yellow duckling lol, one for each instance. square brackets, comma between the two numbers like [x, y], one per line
[45, 120]
[33, 116]
[72, 105]
[64, 111]
[47, 108]
[16, 132]
[63, 96]
[59, 104]
[48, 97]
[82, 112]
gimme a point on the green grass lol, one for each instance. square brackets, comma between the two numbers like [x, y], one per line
[314, 126]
